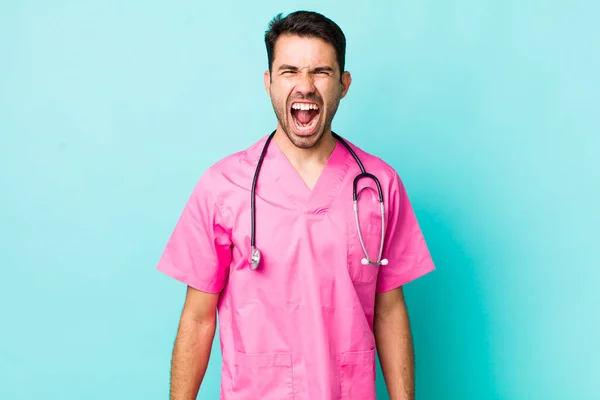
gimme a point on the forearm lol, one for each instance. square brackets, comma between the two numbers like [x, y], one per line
[191, 354]
[396, 353]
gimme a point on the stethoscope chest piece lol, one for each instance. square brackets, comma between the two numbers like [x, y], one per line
[254, 258]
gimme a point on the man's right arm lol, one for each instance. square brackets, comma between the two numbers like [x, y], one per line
[193, 344]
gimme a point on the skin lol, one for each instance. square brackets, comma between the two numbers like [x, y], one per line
[192, 348]
[394, 344]
[305, 69]
[315, 76]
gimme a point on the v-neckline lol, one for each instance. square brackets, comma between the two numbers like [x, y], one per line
[326, 187]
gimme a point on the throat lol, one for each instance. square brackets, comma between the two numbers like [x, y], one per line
[308, 164]
[310, 174]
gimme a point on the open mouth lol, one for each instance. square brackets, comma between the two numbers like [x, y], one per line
[305, 117]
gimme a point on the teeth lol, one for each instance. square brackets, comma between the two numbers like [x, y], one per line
[304, 106]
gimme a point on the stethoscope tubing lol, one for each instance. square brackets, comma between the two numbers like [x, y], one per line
[255, 253]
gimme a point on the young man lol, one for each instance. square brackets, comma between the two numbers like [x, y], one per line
[303, 316]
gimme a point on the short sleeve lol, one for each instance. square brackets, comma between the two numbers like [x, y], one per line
[198, 252]
[405, 247]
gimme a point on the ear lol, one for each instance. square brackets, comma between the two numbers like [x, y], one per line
[346, 81]
[267, 79]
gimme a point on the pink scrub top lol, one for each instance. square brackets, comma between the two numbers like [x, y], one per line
[301, 325]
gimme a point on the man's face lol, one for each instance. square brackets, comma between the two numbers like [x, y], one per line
[305, 88]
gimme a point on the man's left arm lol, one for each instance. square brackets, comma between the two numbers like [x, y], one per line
[394, 344]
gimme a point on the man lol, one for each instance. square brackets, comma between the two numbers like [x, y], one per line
[306, 319]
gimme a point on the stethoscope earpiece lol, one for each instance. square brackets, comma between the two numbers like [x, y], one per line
[364, 261]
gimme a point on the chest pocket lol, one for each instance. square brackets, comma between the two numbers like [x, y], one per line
[371, 235]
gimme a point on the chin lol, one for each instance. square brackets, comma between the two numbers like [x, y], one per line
[305, 141]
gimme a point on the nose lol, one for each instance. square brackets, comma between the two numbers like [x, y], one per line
[304, 83]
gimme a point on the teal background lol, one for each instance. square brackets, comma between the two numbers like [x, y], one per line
[488, 110]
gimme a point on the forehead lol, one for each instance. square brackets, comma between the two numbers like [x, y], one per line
[303, 51]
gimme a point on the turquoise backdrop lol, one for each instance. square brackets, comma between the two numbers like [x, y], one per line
[488, 110]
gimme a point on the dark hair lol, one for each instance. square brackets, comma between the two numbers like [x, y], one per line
[307, 24]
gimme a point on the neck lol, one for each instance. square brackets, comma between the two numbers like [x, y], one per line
[316, 155]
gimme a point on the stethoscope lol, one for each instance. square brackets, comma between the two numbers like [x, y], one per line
[255, 254]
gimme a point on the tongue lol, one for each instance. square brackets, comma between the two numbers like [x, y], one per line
[305, 116]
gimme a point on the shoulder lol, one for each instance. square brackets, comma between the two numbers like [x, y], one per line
[393, 187]
[232, 171]
[376, 165]
[243, 157]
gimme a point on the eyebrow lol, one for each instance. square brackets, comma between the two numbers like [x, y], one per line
[315, 70]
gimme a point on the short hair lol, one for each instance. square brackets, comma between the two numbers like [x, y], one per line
[306, 24]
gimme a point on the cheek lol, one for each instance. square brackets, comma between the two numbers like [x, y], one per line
[279, 101]
[280, 93]
[330, 93]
